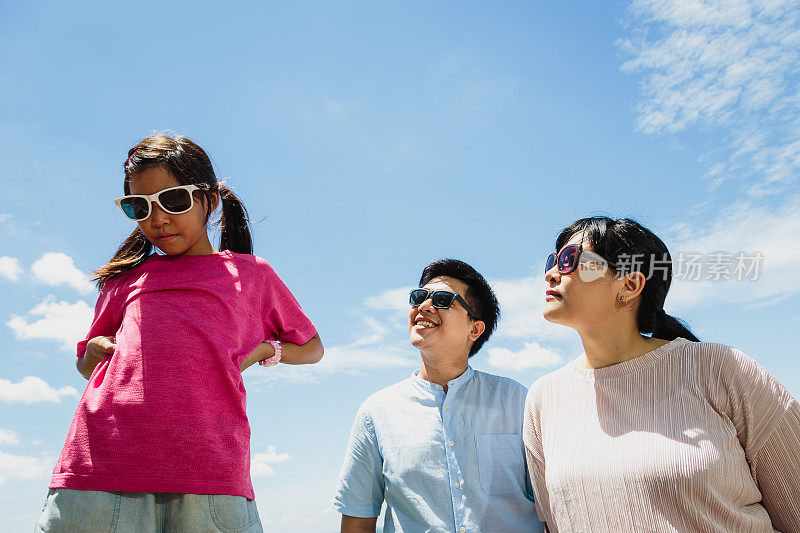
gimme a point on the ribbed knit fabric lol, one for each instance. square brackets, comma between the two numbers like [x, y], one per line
[689, 437]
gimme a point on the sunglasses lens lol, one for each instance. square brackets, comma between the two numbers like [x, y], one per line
[176, 200]
[418, 296]
[135, 208]
[443, 299]
[551, 260]
[566, 259]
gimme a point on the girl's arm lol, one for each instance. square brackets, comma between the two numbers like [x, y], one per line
[292, 354]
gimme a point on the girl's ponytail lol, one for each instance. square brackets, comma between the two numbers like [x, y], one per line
[131, 253]
[189, 165]
[234, 223]
[668, 327]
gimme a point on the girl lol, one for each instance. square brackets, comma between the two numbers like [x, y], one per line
[651, 433]
[160, 439]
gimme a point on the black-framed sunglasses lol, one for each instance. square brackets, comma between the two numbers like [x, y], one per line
[569, 258]
[439, 299]
[175, 200]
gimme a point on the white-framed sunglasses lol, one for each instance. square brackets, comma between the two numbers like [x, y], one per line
[175, 200]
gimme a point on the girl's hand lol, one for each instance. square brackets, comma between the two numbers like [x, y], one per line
[97, 349]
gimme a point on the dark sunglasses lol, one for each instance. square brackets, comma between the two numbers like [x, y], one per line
[439, 299]
[569, 258]
[175, 200]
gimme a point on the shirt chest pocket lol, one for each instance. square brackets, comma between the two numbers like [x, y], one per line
[500, 463]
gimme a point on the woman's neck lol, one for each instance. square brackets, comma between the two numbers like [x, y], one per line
[604, 347]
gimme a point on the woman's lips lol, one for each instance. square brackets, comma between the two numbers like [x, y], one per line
[166, 238]
[551, 295]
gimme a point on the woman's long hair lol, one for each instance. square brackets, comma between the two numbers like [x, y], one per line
[190, 165]
[629, 247]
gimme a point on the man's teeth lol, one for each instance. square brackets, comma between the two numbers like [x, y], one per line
[426, 324]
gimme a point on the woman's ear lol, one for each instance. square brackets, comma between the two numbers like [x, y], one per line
[633, 285]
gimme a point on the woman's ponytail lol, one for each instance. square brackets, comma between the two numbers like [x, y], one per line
[234, 223]
[131, 253]
[668, 327]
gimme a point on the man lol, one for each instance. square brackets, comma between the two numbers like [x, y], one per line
[443, 448]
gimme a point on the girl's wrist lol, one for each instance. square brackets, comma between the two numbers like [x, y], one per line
[275, 358]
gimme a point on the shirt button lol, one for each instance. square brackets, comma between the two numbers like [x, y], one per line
[457, 484]
[447, 407]
[450, 443]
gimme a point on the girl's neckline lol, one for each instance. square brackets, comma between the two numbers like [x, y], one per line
[626, 367]
[165, 257]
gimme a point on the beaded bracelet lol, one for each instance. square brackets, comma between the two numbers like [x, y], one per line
[275, 359]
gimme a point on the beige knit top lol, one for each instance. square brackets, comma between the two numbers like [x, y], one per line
[692, 436]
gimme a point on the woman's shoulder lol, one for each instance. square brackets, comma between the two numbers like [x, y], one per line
[551, 380]
[716, 355]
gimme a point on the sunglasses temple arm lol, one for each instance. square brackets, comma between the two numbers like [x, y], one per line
[463, 302]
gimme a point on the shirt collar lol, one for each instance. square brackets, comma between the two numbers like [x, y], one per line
[452, 384]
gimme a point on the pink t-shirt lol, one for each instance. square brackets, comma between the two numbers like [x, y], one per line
[167, 412]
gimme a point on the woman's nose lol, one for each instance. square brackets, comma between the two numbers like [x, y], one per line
[553, 275]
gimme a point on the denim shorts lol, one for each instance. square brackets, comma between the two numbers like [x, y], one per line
[69, 510]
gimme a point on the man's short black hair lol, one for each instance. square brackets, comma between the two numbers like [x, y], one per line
[480, 295]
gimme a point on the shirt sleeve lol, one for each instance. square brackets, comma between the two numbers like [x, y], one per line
[534, 455]
[107, 317]
[284, 319]
[359, 491]
[767, 422]
[777, 470]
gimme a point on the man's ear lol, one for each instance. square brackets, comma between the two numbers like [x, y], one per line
[478, 327]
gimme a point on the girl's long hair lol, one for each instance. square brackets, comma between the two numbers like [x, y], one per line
[190, 165]
[619, 242]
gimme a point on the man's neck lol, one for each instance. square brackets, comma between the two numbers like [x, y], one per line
[441, 370]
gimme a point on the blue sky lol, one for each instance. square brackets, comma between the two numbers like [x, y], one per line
[369, 140]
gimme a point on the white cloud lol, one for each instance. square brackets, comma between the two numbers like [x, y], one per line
[61, 321]
[260, 462]
[532, 355]
[4, 217]
[24, 467]
[10, 268]
[743, 227]
[8, 437]
[58, 269]
[343, 358]
[390, 300]
[32, 389]
[730, 64]
[521, 303]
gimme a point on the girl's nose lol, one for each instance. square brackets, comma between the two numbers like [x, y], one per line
[158, 217]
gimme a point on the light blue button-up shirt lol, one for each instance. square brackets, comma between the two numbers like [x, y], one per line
[442, 462]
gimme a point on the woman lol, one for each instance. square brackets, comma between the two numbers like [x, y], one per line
[651, 433]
